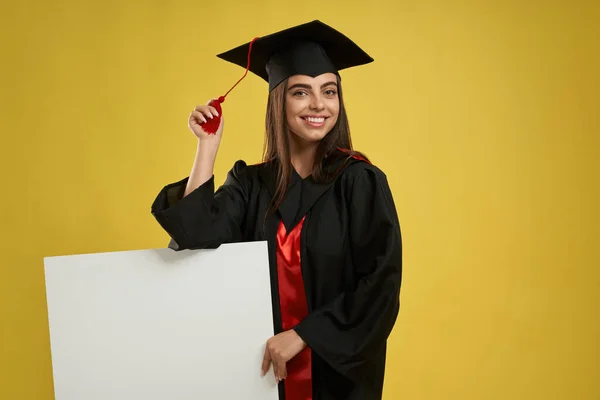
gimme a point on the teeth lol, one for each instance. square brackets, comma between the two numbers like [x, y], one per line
[315, 120]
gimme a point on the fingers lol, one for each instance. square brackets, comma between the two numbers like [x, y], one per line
[213, 111]
[198, 116]
[281, 371]
[275, 357]
[266, 362]
[207, 111]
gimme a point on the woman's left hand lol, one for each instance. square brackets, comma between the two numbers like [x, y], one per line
[279, 350]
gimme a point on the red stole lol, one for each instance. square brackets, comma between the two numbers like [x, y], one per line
[292, 301]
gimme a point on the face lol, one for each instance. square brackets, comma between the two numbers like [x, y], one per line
[312, 106]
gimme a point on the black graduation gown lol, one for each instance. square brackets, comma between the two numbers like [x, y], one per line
[349, 244]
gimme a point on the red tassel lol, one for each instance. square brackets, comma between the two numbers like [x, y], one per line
[212, 125]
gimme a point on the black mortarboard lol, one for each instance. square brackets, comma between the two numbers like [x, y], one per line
[312, 49]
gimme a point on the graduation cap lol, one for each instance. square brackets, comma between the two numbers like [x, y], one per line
[312, 49]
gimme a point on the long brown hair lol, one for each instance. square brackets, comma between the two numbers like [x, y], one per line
[277, 142]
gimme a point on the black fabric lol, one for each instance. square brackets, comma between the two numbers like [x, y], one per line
[313, 48]
[351, 257]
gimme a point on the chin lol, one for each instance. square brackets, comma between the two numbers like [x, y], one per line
[315, 136]
[312, 136]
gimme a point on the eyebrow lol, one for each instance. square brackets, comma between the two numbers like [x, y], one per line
[305, 86]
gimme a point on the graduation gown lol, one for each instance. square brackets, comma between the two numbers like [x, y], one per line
[335, 264]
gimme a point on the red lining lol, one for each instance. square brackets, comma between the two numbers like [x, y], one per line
[353, 154]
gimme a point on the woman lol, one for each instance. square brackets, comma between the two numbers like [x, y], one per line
[327, 214]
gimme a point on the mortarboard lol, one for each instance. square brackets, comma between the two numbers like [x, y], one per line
[312, 49]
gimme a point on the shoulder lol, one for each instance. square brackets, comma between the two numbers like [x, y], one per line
[361, 169]
[367, 191]
[365, 184]
[246, 174]
[358, 167]
[241, 168]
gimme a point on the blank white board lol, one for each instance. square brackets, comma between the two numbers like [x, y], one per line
[159, 324]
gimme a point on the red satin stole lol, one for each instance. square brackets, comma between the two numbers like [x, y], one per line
[292, 300]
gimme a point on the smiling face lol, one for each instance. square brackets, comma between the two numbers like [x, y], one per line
[312, 106]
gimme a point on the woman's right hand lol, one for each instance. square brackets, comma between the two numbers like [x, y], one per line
[201, 114]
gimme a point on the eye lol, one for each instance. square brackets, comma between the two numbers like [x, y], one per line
[331, 92]
[299, 93]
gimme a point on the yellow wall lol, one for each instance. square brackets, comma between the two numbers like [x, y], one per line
[483, 114]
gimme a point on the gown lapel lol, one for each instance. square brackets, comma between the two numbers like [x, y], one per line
[288, 209]
[301, 194]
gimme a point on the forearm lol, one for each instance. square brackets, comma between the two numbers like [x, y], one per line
[204, 165]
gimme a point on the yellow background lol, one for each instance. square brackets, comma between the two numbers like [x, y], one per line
[484, 115]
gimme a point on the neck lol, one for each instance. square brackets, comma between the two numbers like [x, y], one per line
[302, 155]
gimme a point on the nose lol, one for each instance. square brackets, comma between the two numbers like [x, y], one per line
[316, 102]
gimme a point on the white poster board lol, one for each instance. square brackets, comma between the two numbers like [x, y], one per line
[160, 324]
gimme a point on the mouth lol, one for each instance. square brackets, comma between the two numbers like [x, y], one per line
[314, 120]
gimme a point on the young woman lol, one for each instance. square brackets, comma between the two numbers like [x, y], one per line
[326, 211]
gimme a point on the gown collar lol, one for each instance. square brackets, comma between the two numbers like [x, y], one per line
[302, 194]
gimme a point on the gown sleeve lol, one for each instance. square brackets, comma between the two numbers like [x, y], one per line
[204, 218]
[352, 330]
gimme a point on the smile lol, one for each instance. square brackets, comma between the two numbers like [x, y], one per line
[315, 121]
